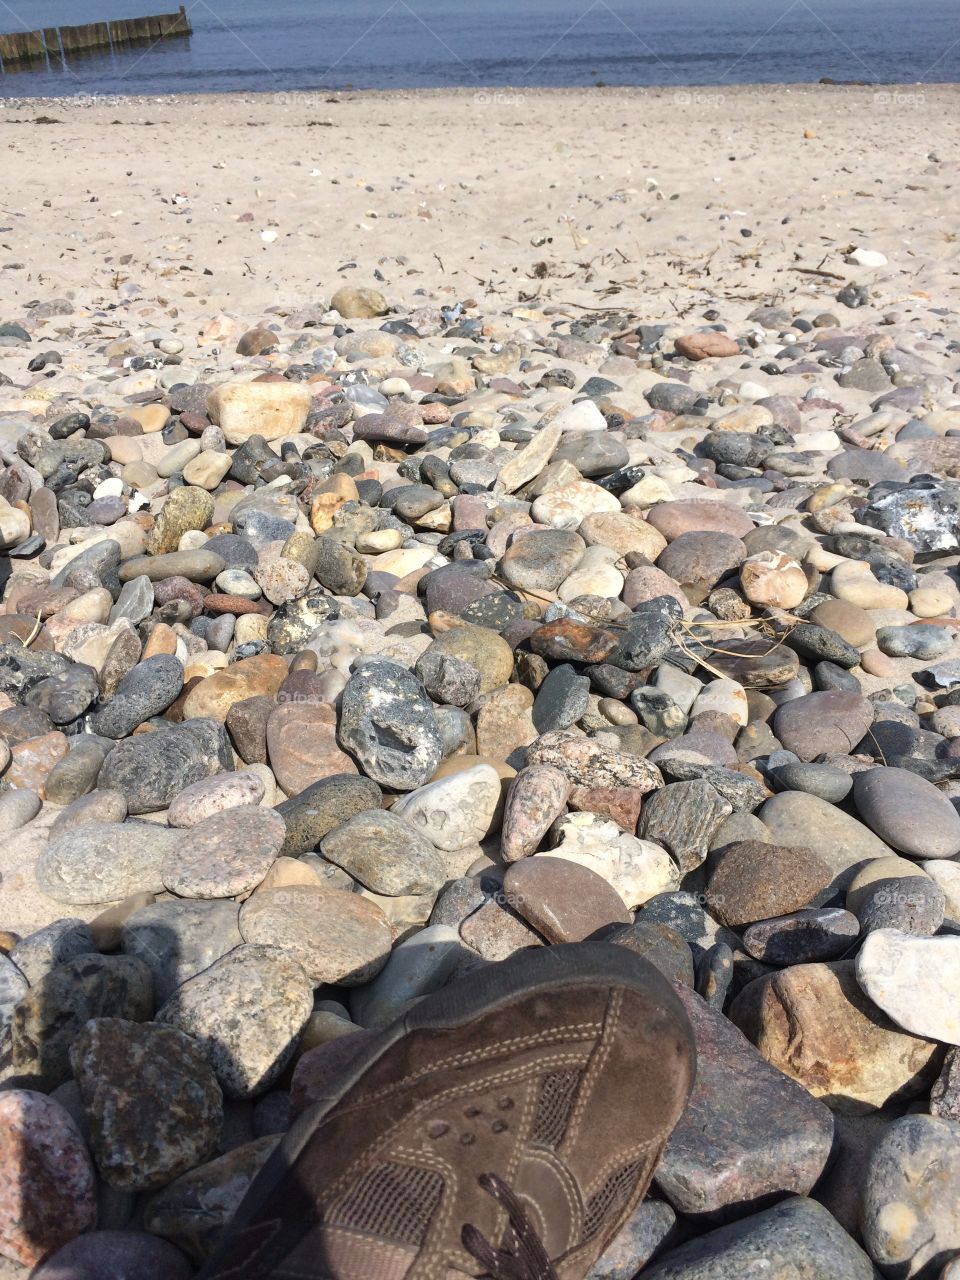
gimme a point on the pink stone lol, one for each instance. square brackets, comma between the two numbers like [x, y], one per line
[32, 760]
[46, 1178]
[302, 745]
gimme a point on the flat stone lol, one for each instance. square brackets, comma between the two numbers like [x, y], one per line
[302, 745]
[814, 1023]
[418, 966]
[907, 812]
[146, 690]
[54, 944]
[179, 939]
[673, 519]
[824, 723]
[153, 1105]
[47, 1189]
[563, 900]
[796, 1240]
[386, 853]
[245, 1013]
[337, 937]
[103, 862]
[802, 937]
[714, 1163]
[752, 880]
[539, 561]
[201, 800]
[910, 1222]
[323, 807]
[588, 763]
[196, 566]
[149, 769]
[267, 409]
[226, 855]
[213, 697]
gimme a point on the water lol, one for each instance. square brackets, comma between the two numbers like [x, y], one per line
[247, 46]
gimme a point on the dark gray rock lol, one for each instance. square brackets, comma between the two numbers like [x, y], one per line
[151, 768]
[54, 944]
[804, 937]
[179, 939]
[682, 817]
[146, 690]
[322, 807]
[561, 700]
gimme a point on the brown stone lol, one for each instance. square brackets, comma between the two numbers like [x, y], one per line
[704, 346]
[814, 1023]
[247, 725]
[214, 696]
[302, 745]
[562, 900]
[620, 804]
[32, 760]
[569, 641]
[756, 881]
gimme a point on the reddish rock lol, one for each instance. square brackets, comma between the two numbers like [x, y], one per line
[302, 745]
[620, 804]
[32, 760]
[704, 346]
[46, 1180]
[562, 900]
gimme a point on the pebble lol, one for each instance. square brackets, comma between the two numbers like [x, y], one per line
[123, 1255]
[889, 801]
[914, 981]
[386, 853]
[226, 855]
[180, 938]
[454, 811]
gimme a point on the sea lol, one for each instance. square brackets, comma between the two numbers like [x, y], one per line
[249, 46]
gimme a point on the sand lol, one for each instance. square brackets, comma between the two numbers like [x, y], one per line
[637, 199]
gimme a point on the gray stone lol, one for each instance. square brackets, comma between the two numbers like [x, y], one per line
[683, 817]
[104, 862]
[246, 1013]
[54, 944]
[386, 854]
[911, 1212]
[226, 855]
[151, 768]
[179, 939]
[387, 724]
[322, 807]
[803, 937]
[908, 812]
[795, 1240]
[146, 690]
[421, 964]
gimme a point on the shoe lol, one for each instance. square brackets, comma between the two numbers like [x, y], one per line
[506, 1126]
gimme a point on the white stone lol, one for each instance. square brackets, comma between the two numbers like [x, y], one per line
[595, 575]
[110, 488]
[867, 258]
[566, 507]
[947, 875]
[723, 695]
[637, 869]
[914, 981]
[456, 810]
[582, 416]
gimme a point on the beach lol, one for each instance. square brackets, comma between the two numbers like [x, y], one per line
[642, 198]
[441, 526]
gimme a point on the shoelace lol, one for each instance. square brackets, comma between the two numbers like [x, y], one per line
[528, 1260]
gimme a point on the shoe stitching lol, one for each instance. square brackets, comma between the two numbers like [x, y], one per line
[598, 1057]
[501, 1077]
[380, 1247]
[617, 1161]
[566, 1182]
[501, 1046]
[432, 1268]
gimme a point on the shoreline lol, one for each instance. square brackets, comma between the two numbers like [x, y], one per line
[413, 93]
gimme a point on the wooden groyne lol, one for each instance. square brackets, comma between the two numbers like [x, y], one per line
[23, 48]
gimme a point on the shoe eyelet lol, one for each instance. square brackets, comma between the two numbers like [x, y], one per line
[437, 1128]
[467, 1139]
[499, 1126]
[505, 1104]
[472, 1112]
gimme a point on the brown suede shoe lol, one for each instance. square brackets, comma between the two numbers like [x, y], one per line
[506, 1126]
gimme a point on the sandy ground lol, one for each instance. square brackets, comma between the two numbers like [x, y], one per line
[637, 199]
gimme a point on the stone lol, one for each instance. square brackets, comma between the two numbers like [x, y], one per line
[447, 678]
[49, 946]
[180, 938]
[563, 900]
[714, 1163]
[588, 763]
[771, 579]
[302, 745]
[824, 723]
[907, 812]
[226, 855]
[541, 560]
[49, 1017]
[185, 508]
[637, 869]
[337, 937]
[386, 853]
[752, 880]
[266, 409]
[358, 303]
[483, 648]
[495, 931]
[103, 862]
[146, 690]
[122, 1255]
[842, 842]
[706, 344]
[802, 937]
[323, 807]
[893, 893]
[814, 1023]
[537, 796]
[149, 769]
[195, 566]
[797, 1239]
[153, 1106]
[47, 1193]
[201, 800]
[914, 981]
[418, 966]
[193, 1210]
[675, 518]
[245, 1013]
[454, 811]
[387, 724]
[649, 1229]
[212, 698]
[682, 818]
[910, 1220]
[561, 700]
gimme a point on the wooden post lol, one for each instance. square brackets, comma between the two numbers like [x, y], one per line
[51, 38]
